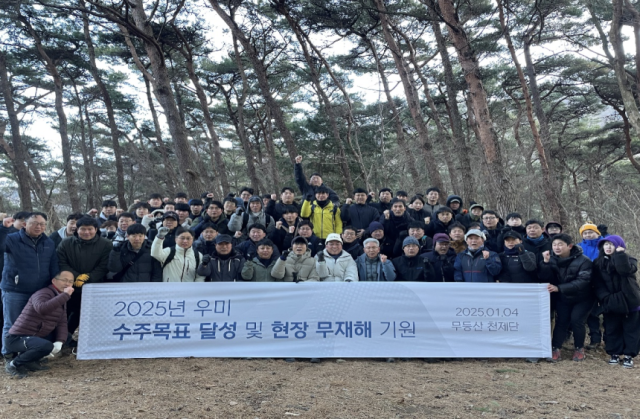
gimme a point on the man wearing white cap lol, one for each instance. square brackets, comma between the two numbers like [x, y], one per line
[476, 264]
[334, 264]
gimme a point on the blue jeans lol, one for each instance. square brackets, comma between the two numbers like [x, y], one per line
[31, 348]
[12, 305]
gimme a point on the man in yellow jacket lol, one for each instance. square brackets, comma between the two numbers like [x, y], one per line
[323, 213]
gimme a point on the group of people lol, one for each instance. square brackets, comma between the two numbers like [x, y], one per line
[263, 238]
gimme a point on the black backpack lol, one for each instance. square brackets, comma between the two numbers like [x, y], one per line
[172, 255]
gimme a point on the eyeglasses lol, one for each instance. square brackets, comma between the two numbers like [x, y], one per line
[348, 234]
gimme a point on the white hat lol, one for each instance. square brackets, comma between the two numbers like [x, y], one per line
[333, 237]
[475, 232]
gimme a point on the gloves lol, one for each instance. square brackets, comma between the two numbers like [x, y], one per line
[56, 348]
[239, 211]
[295, 277]
[519, 248]
[284, 255]
[188, 221]
[320, 256]
[162, 233]
[80, 280]
[146, 220]
[206, 259]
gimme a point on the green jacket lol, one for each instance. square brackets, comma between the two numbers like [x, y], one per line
[255, 271]
[85, 257]
[304, 266]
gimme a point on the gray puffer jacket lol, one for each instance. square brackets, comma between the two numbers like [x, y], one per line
[302, 267]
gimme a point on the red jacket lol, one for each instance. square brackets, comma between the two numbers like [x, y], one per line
[45, 312]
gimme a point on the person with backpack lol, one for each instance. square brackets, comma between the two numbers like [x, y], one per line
[615, 284]
[324, 214]
[242, 220]
[131, 260]
[179, 262]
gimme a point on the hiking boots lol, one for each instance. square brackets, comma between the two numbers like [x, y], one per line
[17, 372]
[35, 366]
[578, 354]
[555, 355]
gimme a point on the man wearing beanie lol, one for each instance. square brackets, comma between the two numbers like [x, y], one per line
[373, 266]
[309, 189]
[411, 266]
[376, 231]
[591, 238]
[442, 257]
[477, 263]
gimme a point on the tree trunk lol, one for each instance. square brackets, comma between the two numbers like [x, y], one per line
[88, 164]
[551, 203]
[630, 106]
[19, 160]
[72, 188]
[96, 199]
[172, 181]
[162, 88]
[468, 182]
[395, 115]
[271, 151]
[106, 98]
[413, 100]
[263, 80]
[501, 185]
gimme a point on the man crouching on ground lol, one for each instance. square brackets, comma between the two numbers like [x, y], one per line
[43, 319]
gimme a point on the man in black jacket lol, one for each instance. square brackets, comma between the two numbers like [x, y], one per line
[441, 258]
[131, 261]
[277, 209]
[536, 240]
[308, 189]
[350, 242]
[518, 265]
[358, 214]
[569, 274]
[411, 266]
[384, 201]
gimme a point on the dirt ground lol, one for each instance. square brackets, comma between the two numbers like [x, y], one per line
[270, 388]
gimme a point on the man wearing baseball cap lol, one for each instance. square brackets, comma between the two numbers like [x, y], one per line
[476, 264]
[334, 264]
[518, 265]
[225, 264]
[442, 258]
[411, 266]
[169, 220]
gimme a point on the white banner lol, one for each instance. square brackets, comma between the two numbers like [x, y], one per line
[314, 320]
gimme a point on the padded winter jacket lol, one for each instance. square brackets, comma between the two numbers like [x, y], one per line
[89, 257]
[413, 269]
[221, 269]
[615, 284]
[145, 269]
[442, 265]
[386, 271]
[28, 265]
[299, 268]
[520, 268]
[254, 270]
[45, 312]
[358, 216]
[325, 220]
[572, 275]
[343, 269]
[473, 267]
[183, 266]
[590, 248]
